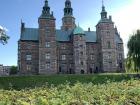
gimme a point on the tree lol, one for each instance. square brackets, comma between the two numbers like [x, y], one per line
[3, 37]
[13, 70]
[133, 57]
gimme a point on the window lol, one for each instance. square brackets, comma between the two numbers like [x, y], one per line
[120, 56]
[108, 33]
[108, 44]
[47, 44]
[63, 47]
[60, 69]
[92, 56]
[109, 55]
[28, 46]
[48, 56]
[82, 63]
[90, 70]
[28, 57]
[48, 66]
[119, 47]
[120, 65]
[81, 46]
[81, 37]
[28, 67]
[82, 71]
[63, 57]
[81, 53]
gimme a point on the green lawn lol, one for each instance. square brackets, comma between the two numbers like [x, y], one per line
[21, 82]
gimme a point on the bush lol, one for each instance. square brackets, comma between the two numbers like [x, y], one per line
[111, 93]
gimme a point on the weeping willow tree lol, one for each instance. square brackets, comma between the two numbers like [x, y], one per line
[133, 57]
[3, 37]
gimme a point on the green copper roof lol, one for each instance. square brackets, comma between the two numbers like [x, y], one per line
[78, 31]
[31, 34]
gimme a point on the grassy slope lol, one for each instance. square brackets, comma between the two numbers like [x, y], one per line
[37, 81]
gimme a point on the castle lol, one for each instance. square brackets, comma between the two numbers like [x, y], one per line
[70, 50]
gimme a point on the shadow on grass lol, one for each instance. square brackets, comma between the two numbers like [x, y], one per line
[22, 82]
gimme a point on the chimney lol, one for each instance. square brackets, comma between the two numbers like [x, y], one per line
[89, 29]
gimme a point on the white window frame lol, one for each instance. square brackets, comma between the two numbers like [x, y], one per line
[48, 65]
[48, 44]
[28, 57]
[120, 56]
[28, 67]
[63, 57]
[109, 56]
[48, 56]
[92, 56]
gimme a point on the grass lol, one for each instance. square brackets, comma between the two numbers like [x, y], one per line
[97, 89]
[22, 82]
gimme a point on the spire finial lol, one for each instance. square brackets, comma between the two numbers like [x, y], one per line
[103, 7]
[102, 3]
[103, 12]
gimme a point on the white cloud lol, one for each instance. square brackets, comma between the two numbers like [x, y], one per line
[128, 20]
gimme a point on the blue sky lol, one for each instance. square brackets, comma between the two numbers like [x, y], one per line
[125, 14]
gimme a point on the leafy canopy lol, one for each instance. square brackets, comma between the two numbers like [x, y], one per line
[134, 51]
[3, 37]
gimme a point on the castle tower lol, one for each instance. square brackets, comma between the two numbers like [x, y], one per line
[47, 42]
[68, 21]
[79, 48]
[106, 38]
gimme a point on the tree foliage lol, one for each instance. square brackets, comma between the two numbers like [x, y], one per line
[13, 70]
[3, 37]
[133, 59]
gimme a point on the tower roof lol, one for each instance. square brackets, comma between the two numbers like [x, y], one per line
[103, 12]
[46, 10]
[78, 31]
[68, 10]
